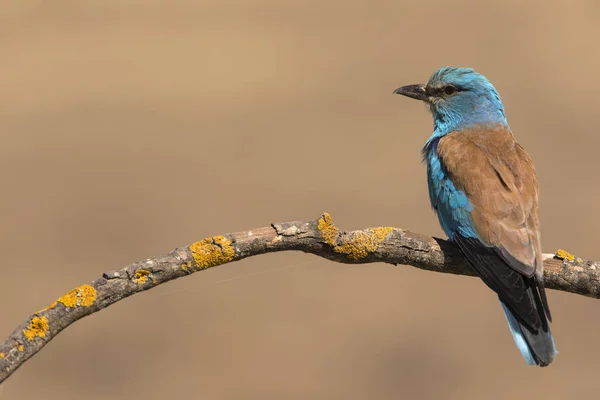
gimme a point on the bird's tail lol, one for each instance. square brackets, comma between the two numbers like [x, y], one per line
[537, 348]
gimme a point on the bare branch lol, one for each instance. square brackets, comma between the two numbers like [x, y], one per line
[563, 271]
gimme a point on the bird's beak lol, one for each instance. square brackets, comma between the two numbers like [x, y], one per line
[413, 91]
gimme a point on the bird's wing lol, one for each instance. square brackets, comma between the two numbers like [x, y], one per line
[499, 179]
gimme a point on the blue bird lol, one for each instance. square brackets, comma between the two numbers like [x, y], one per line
[483, 188]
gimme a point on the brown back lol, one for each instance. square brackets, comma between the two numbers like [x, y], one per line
[499, 179]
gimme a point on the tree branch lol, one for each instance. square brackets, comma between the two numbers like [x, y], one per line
[563, 271]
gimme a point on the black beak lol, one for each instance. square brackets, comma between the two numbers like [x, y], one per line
[413, 91]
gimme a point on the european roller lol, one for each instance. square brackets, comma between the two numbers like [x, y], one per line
[483, 188]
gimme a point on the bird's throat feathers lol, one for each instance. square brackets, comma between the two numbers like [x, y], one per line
[468, 111]
[475, 102]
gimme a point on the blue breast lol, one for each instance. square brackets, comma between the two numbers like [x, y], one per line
[451, 205]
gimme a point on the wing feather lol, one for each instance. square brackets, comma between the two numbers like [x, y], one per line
[499, 179]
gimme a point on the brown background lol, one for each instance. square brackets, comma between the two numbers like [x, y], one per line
[129, 128]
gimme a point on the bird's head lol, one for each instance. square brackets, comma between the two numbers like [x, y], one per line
[458, 98]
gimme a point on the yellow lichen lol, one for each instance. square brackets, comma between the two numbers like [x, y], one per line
[363, 243]
[186, 266]
[141, 276]
[20, 347]
[37, 328]
[212, 251]
[2, 355]
[84, 296]
[359, 245]
[328, 230]
[565, 255]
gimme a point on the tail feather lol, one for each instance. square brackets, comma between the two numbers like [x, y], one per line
[537, 348]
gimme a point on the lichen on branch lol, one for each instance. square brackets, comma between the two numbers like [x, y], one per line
[562, 271]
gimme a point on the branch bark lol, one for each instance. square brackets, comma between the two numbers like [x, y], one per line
[563, 271]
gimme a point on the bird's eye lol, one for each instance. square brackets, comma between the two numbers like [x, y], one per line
[448, 90]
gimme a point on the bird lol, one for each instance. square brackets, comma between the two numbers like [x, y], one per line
[483, 187]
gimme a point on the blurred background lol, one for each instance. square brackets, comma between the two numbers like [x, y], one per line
[129, 128]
